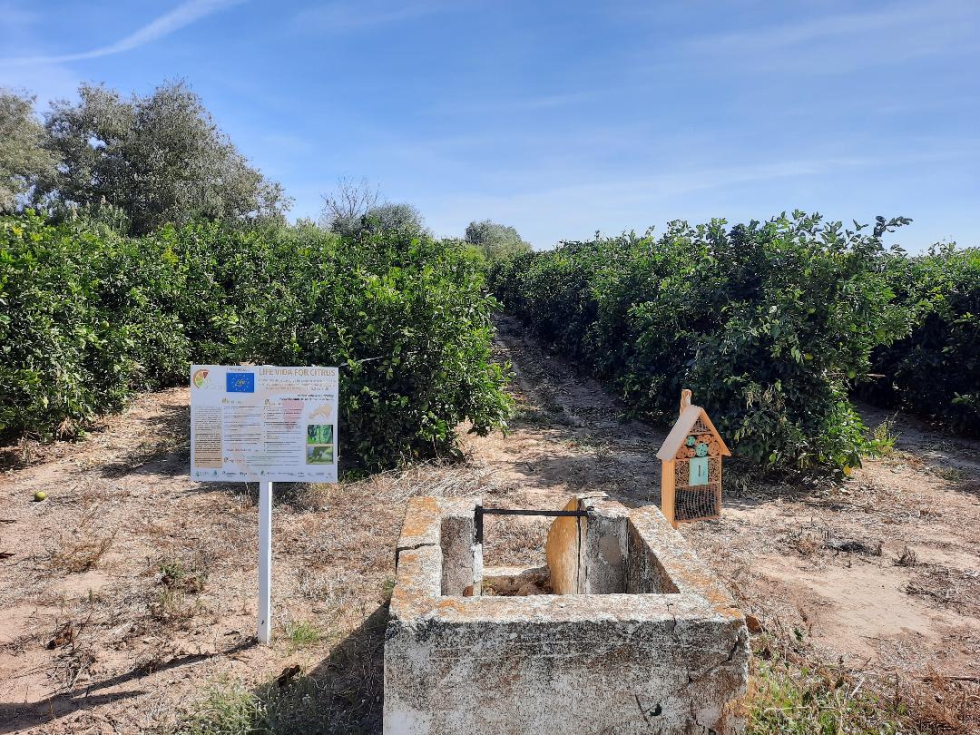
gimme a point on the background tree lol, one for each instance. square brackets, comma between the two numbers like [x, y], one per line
[23, 158]
[160, 158]
[496, 240]
[392, 216]
[355, 207]
[345, 206]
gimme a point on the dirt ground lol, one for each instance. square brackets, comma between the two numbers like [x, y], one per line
[129, 593]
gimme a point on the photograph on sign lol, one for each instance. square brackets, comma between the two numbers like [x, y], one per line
[264, 423]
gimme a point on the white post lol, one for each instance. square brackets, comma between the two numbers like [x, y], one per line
[265, 561]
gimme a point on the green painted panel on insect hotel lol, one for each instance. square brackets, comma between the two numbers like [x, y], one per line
[691, 457]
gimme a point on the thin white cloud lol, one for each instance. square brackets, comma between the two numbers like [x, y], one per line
[895, 18]
[46, 81]
[622, 192]
[809, 30]
[183, 15]
[346, 15]
[840, 42]
[501, 106]
[13, 18]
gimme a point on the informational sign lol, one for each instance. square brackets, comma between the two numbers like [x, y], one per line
[264, 423]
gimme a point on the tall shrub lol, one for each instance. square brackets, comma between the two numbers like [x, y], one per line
[935, 371]
[85, 319]
[403, 315]
[89, 316]
[770, 324]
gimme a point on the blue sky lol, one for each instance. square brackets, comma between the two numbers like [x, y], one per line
[561, 118]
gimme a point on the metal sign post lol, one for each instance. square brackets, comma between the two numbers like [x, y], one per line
[265, 562]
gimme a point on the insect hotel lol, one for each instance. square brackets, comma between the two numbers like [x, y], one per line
[690, 486]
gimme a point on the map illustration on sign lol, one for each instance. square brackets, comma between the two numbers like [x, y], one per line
[264, 423]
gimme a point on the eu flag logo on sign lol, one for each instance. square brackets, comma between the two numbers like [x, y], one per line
[240, 382]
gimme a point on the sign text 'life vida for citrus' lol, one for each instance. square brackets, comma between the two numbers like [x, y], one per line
[264, 423]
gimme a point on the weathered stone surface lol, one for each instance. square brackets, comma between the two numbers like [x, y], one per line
[650, 662]
[645, 573]
[422, 525]
[462, 565]
[604, 546]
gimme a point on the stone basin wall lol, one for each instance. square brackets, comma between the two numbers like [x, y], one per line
[641, 637]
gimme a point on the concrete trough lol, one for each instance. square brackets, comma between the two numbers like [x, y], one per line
[638, 635]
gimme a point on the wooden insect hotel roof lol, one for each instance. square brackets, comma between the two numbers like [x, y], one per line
[688, 424]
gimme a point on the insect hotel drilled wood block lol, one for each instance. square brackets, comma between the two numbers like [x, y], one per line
[691, 456]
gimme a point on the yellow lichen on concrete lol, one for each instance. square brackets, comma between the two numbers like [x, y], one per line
[421, 518]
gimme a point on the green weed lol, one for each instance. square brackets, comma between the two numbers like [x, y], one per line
[176, 575]
[226, 709]
[787, 700]
[298, 707]
[302, 634]
[388, 588]
[881, 440]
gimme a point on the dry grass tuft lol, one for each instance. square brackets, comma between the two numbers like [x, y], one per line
[515, 541]
[341, 695]
[81, 550]
[805, 542]
[939, 703]
[173, 607]
[792, 691]
[956, 588]
[175, 574]
[951, 474]
[907, 558]
[882, 439]
[853, 546]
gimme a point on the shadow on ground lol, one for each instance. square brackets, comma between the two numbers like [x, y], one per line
[343, 694]
[19, 717]
[161, 447]
[16, 717]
